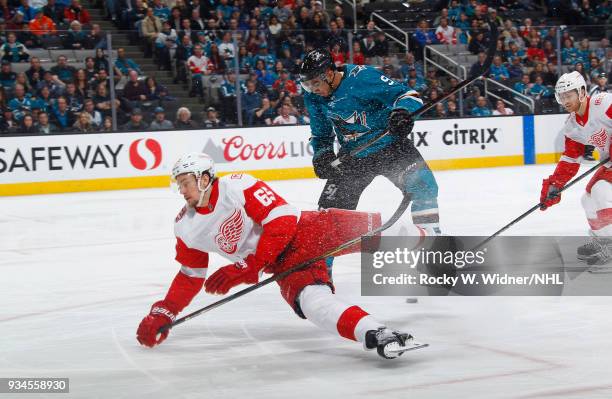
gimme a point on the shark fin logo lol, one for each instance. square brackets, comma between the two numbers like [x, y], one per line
[352, 127]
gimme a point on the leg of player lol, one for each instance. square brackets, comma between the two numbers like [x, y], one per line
[326, 311]
[597, 203]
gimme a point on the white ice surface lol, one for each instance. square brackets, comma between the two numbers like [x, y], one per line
[79, 271]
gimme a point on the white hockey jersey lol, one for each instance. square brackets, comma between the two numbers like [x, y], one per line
[231, 224]
[594, 128]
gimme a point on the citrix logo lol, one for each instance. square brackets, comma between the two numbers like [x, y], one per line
[145, 154]
[470, 136]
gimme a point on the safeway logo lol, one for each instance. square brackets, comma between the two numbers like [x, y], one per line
[145, 154]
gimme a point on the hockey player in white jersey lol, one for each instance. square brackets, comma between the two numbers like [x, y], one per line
[244, 220]
[589, 123]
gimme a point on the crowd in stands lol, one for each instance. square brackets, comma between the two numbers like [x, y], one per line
[252, 49]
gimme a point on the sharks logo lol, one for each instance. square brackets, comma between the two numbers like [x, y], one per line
[356, 70]
[351, 128]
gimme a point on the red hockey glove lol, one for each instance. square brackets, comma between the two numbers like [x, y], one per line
[232, 275]
[550, 193]
[148, 330]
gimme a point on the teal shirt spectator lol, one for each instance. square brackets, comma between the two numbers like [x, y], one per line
[569, 55]
[15, 53]
[226, 11]
[499, 72]
[455, 12]
[539, 91]
[162, 13]
[268, 59]
[124, 65]
[522, 88]
[21, 107]
[481, 111]
[247, 63]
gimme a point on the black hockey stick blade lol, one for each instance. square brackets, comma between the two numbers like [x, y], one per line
[396, 215]
[487, 64]
[538, 206]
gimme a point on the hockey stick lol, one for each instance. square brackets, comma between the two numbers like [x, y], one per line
[487, 64]
[535, 207]
[396, 215]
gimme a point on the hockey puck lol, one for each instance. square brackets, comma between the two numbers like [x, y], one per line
[412, 300]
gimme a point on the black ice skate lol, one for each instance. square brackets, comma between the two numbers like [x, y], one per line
[589, 249]
[588, 154]
[601, 260]
[391, 344]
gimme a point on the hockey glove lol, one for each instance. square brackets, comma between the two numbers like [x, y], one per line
[232, 275]
[550, 193]
[400, 123]
[323, 166]
[148, 330]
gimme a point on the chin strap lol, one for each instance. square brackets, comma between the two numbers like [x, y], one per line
[204, 190]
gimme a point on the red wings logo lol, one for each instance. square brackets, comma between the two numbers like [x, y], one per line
[230, 232]
[599, 139]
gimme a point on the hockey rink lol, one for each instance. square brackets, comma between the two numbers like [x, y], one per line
[79, 272]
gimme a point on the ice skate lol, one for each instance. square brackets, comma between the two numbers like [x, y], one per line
[391, 344]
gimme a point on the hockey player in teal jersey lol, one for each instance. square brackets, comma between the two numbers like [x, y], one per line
[355, 104]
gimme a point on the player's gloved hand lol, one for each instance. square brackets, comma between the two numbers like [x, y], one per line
[550, 193]
[400, 123]
[227, 277]
[323, 166]
[148, 331]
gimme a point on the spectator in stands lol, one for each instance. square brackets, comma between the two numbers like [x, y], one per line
[36, 72]
[538, 91]
[161, 11]
[515, 70]
[515, 38]
[103, 101]
[600, 86]
[156, 93]
[53, 83]
[21, 104]
[479, 43]
[550, 74]
[75, 38]
[82, 83]
[478, 68]
[424, 35]
[451, 110]
[604, 45]
[96, 38]
[472, 99]
[136, 123]
[22, 79]
[27, 11]
[368, 44]
[498, 71]
[42, 25]
[27, 125]
[596, 69]
[514, 52]
[481, 108]
[150, 28]
[212, 120]
[579, 66]
[358, 56]
[166, 40]
[43, 100]
[537, 70]
[524, 86]
[215, 60]
[440, 111]
[500, 109]
[101, 78]
[160, 122]
[264, 115]
[43, 125]
[284, 85]
[94, 114]
[7, 76]
[266, 77]
[284, 117]
[73, 98]
[198, 65]
[381, 46]
[251, 101]
[14, 51]
[76, 12]
[135, 90]
[534, 53]
[8, 122]
[61, 115]
[84, 124]
[183, 52]
[54, 10]
[62, 70]
[550, 52]
[107, 125]
[183, 119]
[124, 64]
[569, 54]
[445, 33]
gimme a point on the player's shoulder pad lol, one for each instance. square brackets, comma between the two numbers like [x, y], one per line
[237, 182]
[180, 215]
[601, 101]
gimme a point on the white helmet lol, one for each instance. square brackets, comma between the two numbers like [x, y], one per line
[568, 82]
[196, 163]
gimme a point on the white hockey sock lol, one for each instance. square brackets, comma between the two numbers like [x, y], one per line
[327, 312]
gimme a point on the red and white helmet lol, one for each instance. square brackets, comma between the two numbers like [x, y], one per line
[568, 82]
[195, 162]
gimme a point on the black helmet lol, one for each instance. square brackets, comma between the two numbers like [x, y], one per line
[316, 63]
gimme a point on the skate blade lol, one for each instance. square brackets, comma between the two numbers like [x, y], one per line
[408, 347]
